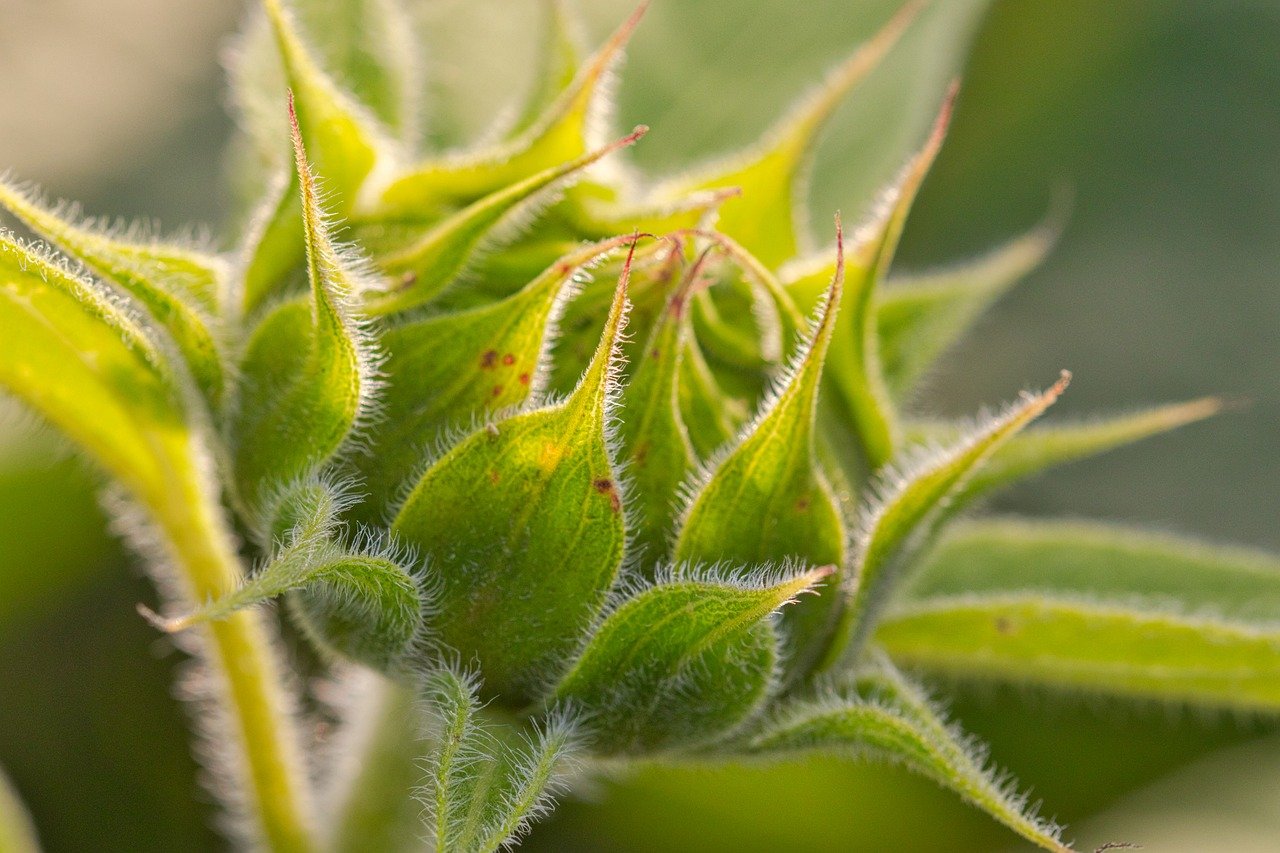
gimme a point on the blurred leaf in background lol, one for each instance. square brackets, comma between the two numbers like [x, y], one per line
[1160, 115]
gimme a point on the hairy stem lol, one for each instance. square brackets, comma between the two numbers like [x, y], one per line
[247, 676]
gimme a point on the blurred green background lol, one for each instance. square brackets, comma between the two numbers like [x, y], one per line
[1161, 117]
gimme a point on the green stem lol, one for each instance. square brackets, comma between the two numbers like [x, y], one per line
[382, 749]
[241, 655]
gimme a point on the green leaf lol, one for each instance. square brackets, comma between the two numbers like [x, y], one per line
[921, 317]
[768, 219]
[891, 721]
[357, 601]
[445, 371]
[113, 396]
[486, 785]
[1031, 452]
[1107, 562]
[17, 835]
[180, 287]
[1095, 646]
[680, 663]
[523, 523]
[654, 438]
[861, 397]
[1097, 609]
[308, 370]
[913, 507]
[436, 260]
[765, 501]
[568, 129]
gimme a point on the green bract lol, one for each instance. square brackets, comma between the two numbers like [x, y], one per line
[579, 504]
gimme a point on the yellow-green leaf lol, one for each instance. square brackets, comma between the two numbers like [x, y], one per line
[179, 286]
[76, 358]
[1042, 447]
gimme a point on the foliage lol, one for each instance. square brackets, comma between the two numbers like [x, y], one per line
[559, 545]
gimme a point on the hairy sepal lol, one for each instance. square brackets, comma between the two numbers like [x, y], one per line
[861, 399]
[681, 663]
[434, 260]
[768, 219]
[884, 717]
[309, 373]
[523, 523]
[487, 783]
[180, 287]
[906, 518]
[446, 372]
[765, 501]
[357, 600]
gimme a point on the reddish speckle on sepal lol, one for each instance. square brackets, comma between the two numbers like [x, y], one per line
[489, 359]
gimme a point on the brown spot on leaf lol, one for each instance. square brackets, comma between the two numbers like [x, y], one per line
[802, 505]
[493, 477]
[489, 359]
[605, 486]
[1004, 625]
[655, 353]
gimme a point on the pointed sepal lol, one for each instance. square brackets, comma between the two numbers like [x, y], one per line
[914, 505]
[445, 372]
[768, 218]
[487, 783]
[523, 523]
[422, 271]
[888, 719]
[765, 501]
[310, 368]
[655, 440]
[681, 663]
[861, 398]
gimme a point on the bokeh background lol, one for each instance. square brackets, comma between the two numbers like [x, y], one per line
[1160, 119]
